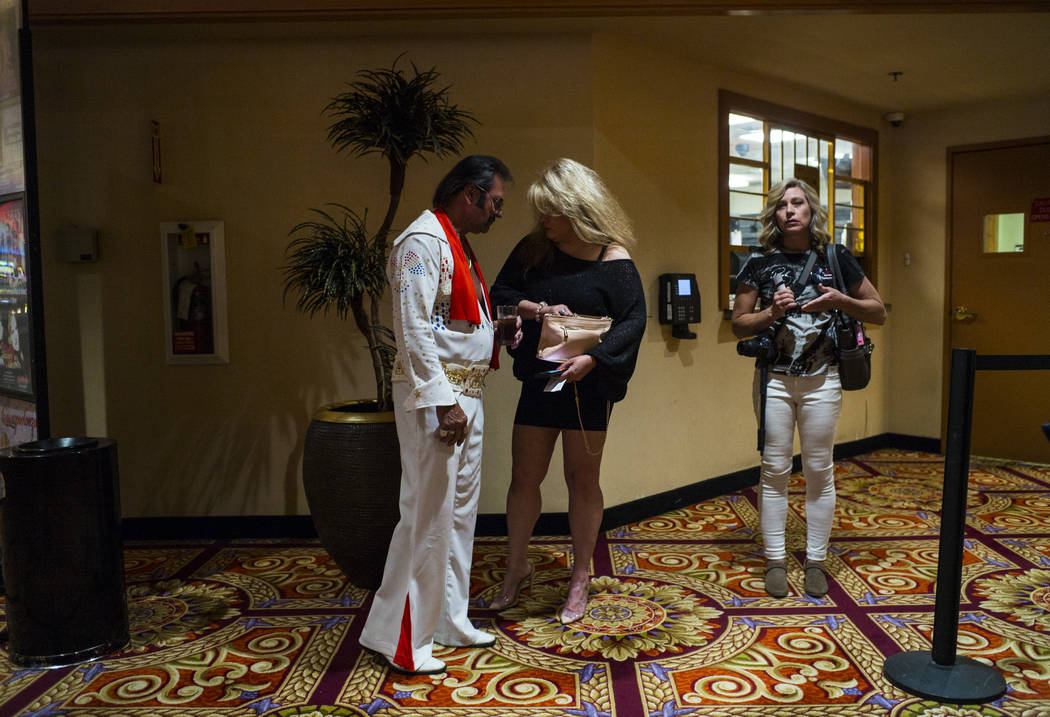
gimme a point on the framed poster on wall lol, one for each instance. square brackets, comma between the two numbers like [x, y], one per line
[16, 375]
[17, 421]
[12, 163]
[23, 354]
[194, 284]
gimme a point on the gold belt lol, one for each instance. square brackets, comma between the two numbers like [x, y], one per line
[468, 380]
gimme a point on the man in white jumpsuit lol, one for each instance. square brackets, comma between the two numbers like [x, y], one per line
[445, 346]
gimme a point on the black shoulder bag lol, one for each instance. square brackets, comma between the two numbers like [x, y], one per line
[852, 346]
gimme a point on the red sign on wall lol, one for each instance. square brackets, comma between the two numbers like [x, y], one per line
[1040, 210]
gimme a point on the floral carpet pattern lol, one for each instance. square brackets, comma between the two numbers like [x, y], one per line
[678, 622]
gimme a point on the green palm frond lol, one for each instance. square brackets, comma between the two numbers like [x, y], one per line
[332, 260]
[398, 116]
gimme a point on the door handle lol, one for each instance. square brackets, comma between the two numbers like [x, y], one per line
[964, 315]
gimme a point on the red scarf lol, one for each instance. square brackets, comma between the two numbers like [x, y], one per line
[464, 299]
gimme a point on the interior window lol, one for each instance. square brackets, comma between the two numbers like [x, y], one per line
[1004, 233]
[763, 144]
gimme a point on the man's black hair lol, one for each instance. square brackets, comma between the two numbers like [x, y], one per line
[477, 169]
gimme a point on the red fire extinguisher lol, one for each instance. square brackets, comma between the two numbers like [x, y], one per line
[191, 306]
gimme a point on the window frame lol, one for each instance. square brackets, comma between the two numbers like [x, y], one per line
[808, 124]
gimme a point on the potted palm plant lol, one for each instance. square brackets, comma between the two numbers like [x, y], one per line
[351, 464]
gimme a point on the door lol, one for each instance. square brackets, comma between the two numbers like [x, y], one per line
[999, 292]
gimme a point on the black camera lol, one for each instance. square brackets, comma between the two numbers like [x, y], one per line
[759, 347]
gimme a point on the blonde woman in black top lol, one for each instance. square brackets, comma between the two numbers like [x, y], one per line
[575, 261]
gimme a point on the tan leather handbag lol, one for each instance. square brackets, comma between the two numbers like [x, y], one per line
[563, 337]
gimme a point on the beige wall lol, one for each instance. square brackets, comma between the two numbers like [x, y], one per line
[688, 414]
[243, 141]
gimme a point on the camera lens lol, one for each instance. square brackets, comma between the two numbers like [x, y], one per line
[760, 347]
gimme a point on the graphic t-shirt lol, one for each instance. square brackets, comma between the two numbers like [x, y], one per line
[804, 343]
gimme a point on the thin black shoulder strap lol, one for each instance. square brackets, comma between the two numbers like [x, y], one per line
[836, 273]
[800, 282]
[841, 317]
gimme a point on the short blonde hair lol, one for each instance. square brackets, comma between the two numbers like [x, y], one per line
[569, 189]
[772, 238]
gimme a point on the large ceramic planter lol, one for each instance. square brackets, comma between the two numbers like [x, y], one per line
[352, 479]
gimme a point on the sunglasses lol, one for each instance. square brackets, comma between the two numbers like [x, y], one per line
[497, 202]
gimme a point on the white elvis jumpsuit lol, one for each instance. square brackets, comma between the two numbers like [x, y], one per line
[440, 361]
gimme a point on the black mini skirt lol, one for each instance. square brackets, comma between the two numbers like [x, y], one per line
[557, 409]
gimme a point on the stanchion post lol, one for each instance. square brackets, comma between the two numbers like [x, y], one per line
[953, 506]
[942, 674]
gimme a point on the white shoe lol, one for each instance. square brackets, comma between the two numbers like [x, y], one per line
[483, 639]
[478, 638]
[429, 666]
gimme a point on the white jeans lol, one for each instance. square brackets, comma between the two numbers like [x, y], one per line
[423, 596]
[813, 403]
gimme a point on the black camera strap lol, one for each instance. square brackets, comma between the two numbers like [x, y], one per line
[763, 376]
[800, 282]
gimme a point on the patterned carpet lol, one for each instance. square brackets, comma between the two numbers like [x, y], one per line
[678, 623]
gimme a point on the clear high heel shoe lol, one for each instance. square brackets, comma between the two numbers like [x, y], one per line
[568, 615]
[505, 600]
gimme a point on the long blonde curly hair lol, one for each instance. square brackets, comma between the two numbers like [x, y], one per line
[569, 189]
[771, 237]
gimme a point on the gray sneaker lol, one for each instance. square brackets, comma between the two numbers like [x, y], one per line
[777, 581]
[816, 583]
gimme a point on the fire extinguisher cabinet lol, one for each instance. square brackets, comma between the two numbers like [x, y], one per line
[62, 551]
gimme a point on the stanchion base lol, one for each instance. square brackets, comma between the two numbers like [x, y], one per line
[66, 659]
[967, 682]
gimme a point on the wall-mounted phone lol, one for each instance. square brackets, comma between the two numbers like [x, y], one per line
[679, 303]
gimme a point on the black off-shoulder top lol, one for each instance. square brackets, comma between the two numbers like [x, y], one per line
[597, 288]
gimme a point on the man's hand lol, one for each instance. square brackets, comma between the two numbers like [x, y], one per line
[518, 335]
[452, 424]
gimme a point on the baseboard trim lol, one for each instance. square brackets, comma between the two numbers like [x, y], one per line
[254, 527]
[225, 527]
[898, 441]
[635, 510]
[490, 525]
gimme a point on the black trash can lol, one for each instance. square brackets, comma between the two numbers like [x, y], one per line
[63, 557]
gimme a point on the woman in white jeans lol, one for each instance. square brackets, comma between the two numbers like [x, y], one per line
[803, 384]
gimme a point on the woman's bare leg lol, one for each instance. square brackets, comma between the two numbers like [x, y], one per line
[531, 451]
[586, 503]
